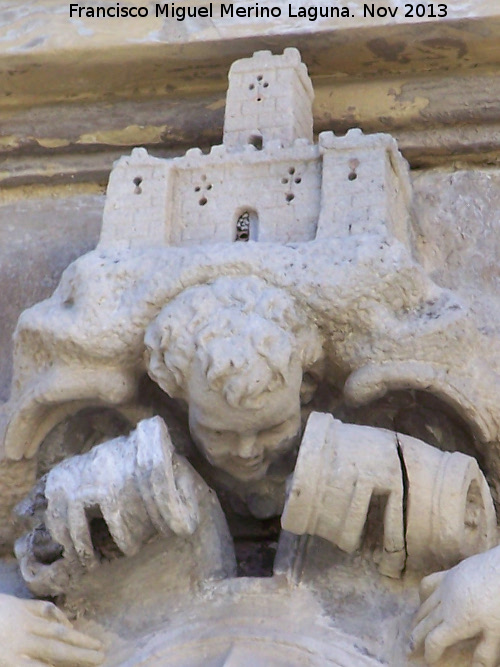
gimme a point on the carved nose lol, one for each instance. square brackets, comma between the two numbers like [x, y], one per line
[246, 447]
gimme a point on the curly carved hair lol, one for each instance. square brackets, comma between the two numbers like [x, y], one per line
[244, 332]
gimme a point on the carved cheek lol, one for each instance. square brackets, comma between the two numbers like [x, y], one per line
[215, 448]
[276, 443]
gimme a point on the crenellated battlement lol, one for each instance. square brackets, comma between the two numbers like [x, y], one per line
[293, 190]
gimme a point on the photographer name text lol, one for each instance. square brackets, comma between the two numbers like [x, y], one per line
[311, 12]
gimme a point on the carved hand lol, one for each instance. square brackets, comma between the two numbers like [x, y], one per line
[137, 484]
[461, 603]
[35, 633]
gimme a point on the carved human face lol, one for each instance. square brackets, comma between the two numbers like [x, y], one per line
[244, 441]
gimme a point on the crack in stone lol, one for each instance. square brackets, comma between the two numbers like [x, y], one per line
[406, 484]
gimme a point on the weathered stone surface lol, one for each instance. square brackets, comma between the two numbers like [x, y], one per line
[455, 219]
[41, 232]
[33, 629]
[456, 228]
[61, 75]
[359, 309]
[343, 468]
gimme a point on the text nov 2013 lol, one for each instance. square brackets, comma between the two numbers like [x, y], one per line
[309, 11]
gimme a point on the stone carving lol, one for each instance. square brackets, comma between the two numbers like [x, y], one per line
[137, 484]
[269, 279]
[460, 604]
[229, 631]
[449, 512]
[243, 356]
[34, 632]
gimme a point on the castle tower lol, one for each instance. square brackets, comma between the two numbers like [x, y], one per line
[366, 186]
[138, 201]
[269, 98]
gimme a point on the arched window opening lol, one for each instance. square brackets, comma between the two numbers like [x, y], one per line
[247, 226]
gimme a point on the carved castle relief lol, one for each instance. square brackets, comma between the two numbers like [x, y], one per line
[252, 375]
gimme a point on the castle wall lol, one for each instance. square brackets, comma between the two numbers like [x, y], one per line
[78, 95]
[198, 198]
[211, 192]
[138, 193]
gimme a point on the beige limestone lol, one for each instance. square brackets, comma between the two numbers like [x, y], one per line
[77, 89]
[459, 604]
[341, 468]
[38, 33]
[35, 632]
[269, 98]
[223, 625]
[458, 256]
[140, 487]
[383, 324]
[41, 231]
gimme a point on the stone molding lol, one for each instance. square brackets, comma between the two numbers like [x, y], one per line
[80, 93]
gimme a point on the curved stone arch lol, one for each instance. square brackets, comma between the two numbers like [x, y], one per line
[57, 394]
[373, 381]
[226, 628]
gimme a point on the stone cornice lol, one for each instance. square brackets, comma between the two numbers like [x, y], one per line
[100, 86]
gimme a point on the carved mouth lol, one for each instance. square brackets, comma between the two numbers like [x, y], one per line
[247, 468]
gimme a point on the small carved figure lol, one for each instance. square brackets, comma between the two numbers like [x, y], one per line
[236, 351]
